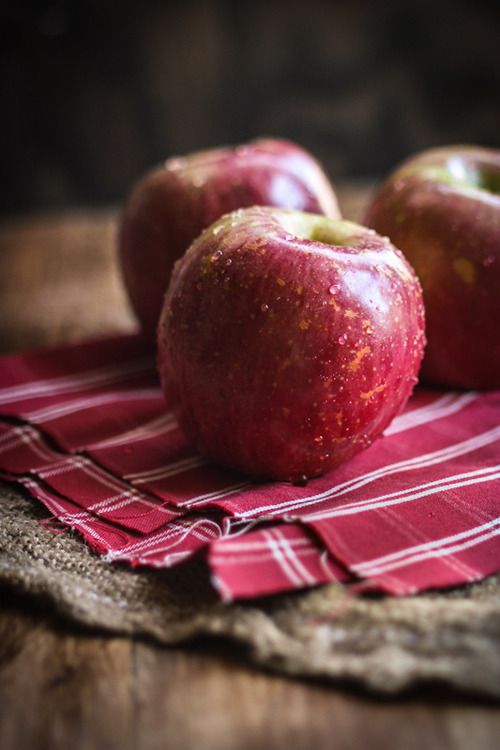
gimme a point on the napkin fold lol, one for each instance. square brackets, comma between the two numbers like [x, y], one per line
[86, 430]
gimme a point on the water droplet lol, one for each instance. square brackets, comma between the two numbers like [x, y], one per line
[488, 261]
[216, 256]
[342, 339]
[176, 162]
[228, 262]
[300, 481]
[264, 307]
[333, 289]
[318, 439]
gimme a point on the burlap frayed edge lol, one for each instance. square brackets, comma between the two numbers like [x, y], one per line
[384, 644]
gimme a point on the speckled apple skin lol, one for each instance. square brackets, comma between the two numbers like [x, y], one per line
[171, 205]
[451, 236]
[286, 356]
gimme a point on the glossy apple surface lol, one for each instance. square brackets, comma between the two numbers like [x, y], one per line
[442, 209]
[289, 341]
[172, 204]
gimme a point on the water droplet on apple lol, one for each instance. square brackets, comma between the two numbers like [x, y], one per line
[177, 162]
[228, 262]
[216, 256]
[333, 289]
[300, 481]
[264, 307]
[342, 339]
[318, 439]
[488, 261]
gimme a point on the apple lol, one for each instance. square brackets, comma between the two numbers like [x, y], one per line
[288, 341]
[170, 206]
[442, 209]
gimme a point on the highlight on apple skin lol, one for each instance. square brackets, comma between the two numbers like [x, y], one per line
[442, 209]
[288, 341]
[170, 206]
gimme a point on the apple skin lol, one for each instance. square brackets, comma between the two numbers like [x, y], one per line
[170, 206]
[442, 209]
[285, 354]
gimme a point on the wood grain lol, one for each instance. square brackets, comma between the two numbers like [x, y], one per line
[63, 688]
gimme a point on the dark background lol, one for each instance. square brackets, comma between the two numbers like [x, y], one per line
[93, 93]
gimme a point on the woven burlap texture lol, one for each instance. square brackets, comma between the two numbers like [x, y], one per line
[385, 644]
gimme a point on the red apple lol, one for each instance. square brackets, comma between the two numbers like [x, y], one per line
[289, 340]
[171, 205]
[442, 209]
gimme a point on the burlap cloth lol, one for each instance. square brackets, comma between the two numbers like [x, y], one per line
[384, 644]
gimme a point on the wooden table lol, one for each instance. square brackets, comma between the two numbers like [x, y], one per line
[62, 688]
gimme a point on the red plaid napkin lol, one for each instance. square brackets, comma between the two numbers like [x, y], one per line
[85, 429]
